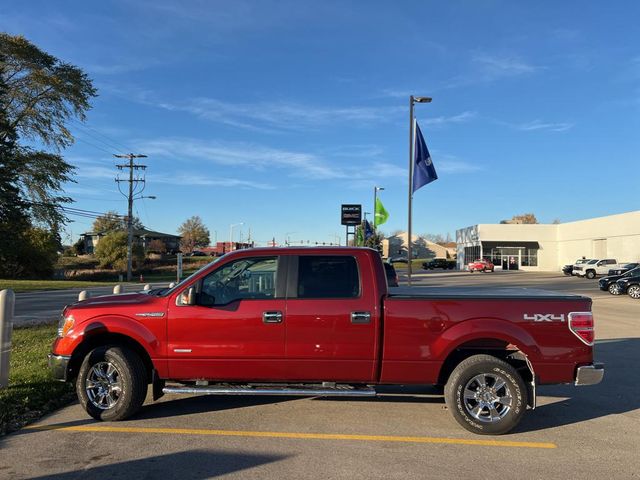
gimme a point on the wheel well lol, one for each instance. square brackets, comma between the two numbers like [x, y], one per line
[489, 346]
[112, 340]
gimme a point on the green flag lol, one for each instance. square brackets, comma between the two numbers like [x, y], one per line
[359, 236]
[381, 215]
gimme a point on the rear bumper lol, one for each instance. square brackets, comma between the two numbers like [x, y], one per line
[590, 374]
[59, 366]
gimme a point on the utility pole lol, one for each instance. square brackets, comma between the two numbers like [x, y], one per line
[134, 183]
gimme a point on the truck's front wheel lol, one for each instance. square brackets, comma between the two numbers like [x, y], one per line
[112, 383]
[486, 395]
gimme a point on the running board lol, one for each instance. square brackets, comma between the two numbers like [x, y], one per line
[337, 391]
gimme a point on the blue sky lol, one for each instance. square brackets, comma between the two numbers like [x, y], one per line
[274, 113]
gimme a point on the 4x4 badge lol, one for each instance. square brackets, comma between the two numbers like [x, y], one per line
[544, 317]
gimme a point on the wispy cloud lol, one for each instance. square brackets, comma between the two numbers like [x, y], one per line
[497, 66]
[452, 165]
[540, 125]
[443, 120]
[274, 116]
[200, 180]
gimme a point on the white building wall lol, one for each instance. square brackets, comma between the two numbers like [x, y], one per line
[621, 235]
[614, 236]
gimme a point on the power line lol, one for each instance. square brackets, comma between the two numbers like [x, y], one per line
[114, 145]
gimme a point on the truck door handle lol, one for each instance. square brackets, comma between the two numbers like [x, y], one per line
[272, 317]
[360, 318]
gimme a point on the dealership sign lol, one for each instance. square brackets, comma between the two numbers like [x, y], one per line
[351, 214]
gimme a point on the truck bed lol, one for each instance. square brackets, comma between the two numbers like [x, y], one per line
[514, 293]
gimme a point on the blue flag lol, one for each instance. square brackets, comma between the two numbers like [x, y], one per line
[423, 170]
[368, 231]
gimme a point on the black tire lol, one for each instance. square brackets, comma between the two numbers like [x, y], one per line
[495, 372]
[591, 274]
[130, 377]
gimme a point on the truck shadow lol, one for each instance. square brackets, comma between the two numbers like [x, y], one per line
[172, 406]
[618, 393]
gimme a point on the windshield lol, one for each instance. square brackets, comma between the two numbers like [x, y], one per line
[632, 273]
[188, 279]
[582, 260]
[591, 262]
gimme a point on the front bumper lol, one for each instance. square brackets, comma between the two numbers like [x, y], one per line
[59, 366]
[589, 374]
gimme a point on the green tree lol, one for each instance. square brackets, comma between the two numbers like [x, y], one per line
[194, 234]
[111, 252]
[41, 94]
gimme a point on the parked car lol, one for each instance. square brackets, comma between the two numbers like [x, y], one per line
[568, 269]
[442, 263]
[623, 269]
[392, 275]
[630, 284]
[595, 267]
[610, 282]
[481, 265]
[251, 322]
[397, 259]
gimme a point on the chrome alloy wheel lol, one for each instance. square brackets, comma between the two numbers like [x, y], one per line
[614, 289]
[103, 385]
[634, 291]
[487, 398]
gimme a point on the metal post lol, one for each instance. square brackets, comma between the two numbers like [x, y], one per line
[375, 199]
[410, 188]
[7, 302]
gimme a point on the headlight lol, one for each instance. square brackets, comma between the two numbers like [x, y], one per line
[65, 325]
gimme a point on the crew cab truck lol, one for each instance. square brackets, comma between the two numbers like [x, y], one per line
[322, 322]
[595, 267]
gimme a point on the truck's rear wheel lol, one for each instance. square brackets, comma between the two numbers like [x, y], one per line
[112, 383]
[486, 395]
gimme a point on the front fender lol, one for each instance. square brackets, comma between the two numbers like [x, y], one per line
[113, 324]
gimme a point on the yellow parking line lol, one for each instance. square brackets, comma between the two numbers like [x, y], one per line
[306, 436]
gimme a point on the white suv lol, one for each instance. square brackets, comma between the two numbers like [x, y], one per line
[595, 267]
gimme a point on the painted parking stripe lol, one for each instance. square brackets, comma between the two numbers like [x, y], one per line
[296, 435]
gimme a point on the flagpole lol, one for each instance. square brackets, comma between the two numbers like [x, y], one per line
[410, 189]
[412, 101]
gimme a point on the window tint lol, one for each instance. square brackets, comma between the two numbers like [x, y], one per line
[248, 278]
[328, 277]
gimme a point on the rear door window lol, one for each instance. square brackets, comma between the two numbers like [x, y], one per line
[328, 277]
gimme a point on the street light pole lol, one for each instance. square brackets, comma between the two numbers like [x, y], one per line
[231, 234]
[375, 201]
[412, 100]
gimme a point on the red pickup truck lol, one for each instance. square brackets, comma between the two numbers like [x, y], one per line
[322, 322]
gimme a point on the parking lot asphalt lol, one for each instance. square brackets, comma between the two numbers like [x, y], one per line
[405, 433]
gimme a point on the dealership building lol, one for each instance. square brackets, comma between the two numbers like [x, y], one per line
[547, 247]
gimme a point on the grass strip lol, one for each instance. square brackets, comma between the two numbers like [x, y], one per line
[32, 391]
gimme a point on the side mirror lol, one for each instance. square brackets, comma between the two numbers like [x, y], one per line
[187, 297]
[191, 296]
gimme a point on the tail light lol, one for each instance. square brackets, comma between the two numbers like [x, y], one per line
[581, 324]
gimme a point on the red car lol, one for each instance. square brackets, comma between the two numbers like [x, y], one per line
[481, 266]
